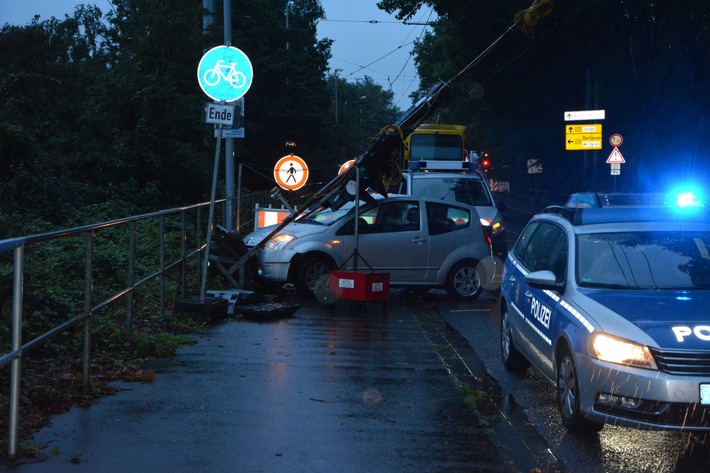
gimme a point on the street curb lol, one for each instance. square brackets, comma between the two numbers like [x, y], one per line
[518, 441]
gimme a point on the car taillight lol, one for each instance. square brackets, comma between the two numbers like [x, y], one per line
[488, 239]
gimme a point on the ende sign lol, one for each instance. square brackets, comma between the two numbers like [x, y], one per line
[219, 114]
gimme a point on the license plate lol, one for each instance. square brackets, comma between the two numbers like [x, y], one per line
[705, 394]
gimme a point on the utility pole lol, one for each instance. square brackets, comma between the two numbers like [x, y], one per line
[336, 72]
[229, 142]
[210, 6]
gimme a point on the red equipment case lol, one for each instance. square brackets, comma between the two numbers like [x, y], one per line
[360, 286]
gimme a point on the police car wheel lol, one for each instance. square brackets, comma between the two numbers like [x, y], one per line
[568, 397]
[512, 359]
[465, 281]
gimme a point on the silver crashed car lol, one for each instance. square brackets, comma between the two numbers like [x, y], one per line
[421, 242]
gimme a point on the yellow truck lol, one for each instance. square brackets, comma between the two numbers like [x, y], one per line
[434, 142]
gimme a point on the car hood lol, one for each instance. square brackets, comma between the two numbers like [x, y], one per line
[666, 316]
[300, 230]
[488, 213]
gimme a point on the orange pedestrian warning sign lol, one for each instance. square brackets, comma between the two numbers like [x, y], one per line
[291, 172]
[615, 157]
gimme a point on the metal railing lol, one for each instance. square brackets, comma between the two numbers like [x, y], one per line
[187, 227]
[182, 227]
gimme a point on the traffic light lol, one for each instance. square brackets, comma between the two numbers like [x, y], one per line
[484, 163]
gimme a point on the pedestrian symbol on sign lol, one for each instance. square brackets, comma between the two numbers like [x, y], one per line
[291, 172]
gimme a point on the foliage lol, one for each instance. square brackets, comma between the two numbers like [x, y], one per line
[641, 61]
[104, 112]
[363, 109]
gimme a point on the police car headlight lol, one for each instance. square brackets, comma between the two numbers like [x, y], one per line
[279, 241]
[606, 347]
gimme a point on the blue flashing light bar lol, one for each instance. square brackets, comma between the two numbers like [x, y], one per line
[589, 216]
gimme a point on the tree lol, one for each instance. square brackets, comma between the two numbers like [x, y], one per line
[364, 108]
[106, 111]
[639, 60]
[289, 99]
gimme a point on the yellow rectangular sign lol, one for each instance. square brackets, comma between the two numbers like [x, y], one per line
[583, 137]
[583, 142]
[583, 128]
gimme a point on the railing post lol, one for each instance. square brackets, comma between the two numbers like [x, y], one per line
[183, 253]
[199, 241]
[88, 289]
[17, 296]
[162, 266]
[131, 280]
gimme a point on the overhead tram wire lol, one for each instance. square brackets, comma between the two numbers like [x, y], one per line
[427, 23]
[389, 80]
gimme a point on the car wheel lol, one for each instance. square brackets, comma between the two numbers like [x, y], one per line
[464, 281]
[512, 359]
[568, 397]
[310, 271]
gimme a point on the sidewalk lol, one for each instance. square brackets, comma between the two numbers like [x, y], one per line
[326, 390]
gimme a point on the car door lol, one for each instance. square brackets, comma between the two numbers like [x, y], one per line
[392, 239]
[449, 228]
[543, 248]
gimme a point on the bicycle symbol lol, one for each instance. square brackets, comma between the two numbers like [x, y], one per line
[224, 73]
[228, 72]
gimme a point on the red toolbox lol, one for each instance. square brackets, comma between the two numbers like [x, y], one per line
[360, 286]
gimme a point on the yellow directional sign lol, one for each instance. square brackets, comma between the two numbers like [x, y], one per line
[583, 128]
[583, 137]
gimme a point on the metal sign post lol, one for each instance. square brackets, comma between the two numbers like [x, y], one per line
[210, 219]
[225, 74]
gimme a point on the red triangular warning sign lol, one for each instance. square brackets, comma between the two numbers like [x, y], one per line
[615, 157]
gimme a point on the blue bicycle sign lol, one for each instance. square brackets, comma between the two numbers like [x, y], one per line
[225, 73]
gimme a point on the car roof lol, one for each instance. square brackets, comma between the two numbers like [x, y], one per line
[397, 197]
[647, 214]
[439, 174]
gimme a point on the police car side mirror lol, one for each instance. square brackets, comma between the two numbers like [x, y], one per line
[544, 279]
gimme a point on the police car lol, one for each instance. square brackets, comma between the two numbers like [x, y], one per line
[612, 304]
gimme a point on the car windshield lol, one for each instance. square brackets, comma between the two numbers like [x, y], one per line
[644, 260]
[328, 216]
[465, 190]
[438, 146]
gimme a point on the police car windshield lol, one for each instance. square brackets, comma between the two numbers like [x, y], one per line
[644, 260]
[465, 190]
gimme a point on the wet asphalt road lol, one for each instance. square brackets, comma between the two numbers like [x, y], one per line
[326, 390]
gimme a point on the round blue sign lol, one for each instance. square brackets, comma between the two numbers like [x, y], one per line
[225, 73]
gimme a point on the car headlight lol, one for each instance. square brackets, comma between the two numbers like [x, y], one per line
[606, 347]
[279, 241]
